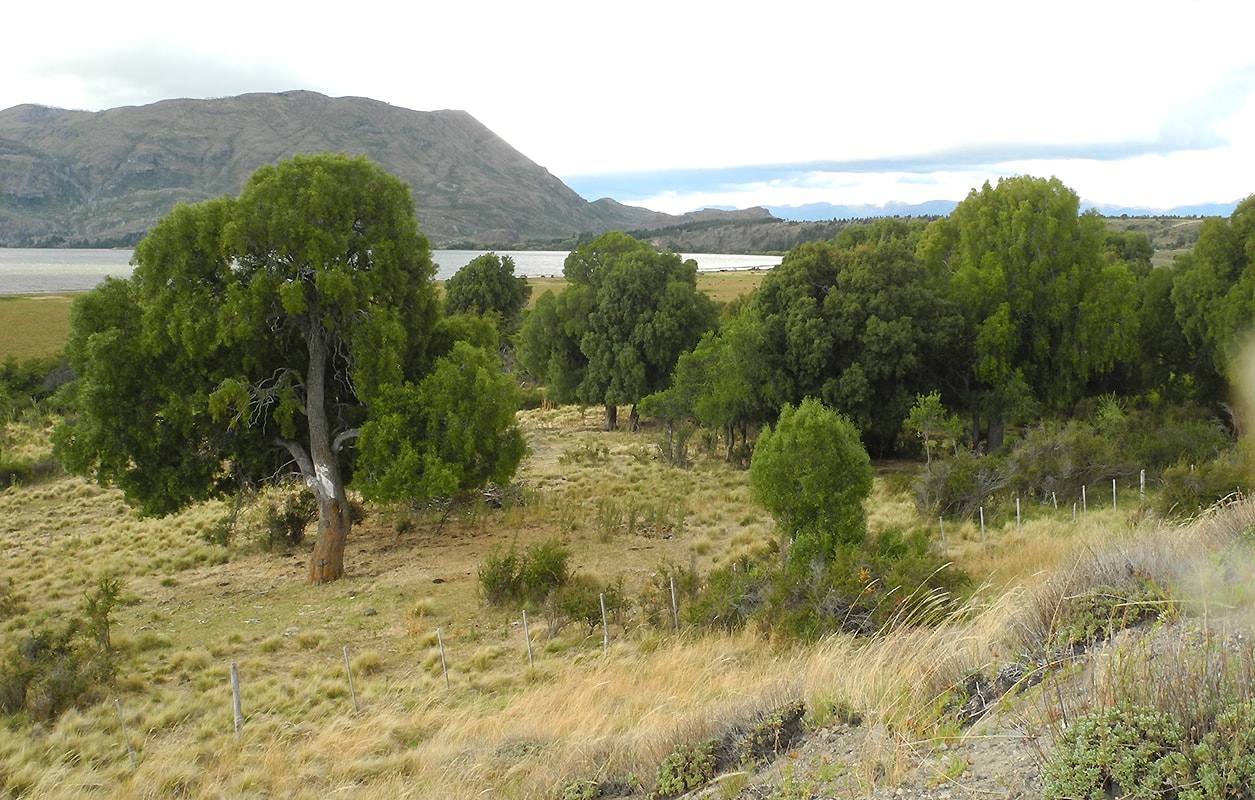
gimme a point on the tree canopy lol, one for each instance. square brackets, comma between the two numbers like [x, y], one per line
[261, 335]
[614, 334]
[488, 285]
[812, 474]
[1048, 306]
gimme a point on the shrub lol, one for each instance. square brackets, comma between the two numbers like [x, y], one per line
[959, 486]
[53, 670]
[1124, 751]
[580, 601]
[1189, 488]
[527, 578]
[812, 475]
[688, 767]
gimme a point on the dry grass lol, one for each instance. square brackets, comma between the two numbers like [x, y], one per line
[33, 325]
[192, 608]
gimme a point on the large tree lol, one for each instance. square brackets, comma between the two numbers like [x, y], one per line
[1049, 307]
[861, 323]
[258, 336]
[1213, 292]
[614, 334]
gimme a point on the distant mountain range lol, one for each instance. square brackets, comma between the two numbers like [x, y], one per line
[102, 179]
[939, 208]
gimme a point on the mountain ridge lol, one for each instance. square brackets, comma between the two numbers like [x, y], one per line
[100, 178]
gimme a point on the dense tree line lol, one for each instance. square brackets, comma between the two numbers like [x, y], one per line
[1016, 307]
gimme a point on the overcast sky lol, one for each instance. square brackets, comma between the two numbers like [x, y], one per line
[677, 105]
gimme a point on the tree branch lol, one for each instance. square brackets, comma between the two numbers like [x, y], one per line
[343, 437]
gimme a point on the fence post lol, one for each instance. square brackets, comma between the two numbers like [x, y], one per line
[941, 523]
[605, 629]
[235, 696]
[1113, 494]
[675, 608]
[125, 737]
[1017, 515]
[349, 669]
[527, 635]
[444, 667]
[982, 524]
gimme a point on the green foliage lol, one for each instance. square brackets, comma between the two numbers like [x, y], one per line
[488, 285]
[812, 474]
[1188, 487]
[1212, 289]
[1120, 752]
[614, 334]
[1047, 306]
[287, 515]
[527, 578]
[453, 432]
[771, 734]
[55, 669]
[862, 323]
[688, 767]
[864, 587]
[1096, 614]
[285, 319]
[930, 423]
[580, 600]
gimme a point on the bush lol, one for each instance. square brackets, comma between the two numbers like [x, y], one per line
[812, 475]
[861, 589]
[580, 601]
[959, 486]
[688, 767]
[1190, 488]
[528, 578]
[53, 670]
[1121, 752]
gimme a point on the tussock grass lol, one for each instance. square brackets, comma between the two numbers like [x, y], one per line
[192, 607]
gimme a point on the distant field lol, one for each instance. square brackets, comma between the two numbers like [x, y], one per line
[33, 325]
[721, 286]
[36, 325]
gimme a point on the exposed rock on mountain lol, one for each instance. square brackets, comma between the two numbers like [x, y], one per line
[103, 178]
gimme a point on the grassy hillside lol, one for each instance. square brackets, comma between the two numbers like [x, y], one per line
[879, 711]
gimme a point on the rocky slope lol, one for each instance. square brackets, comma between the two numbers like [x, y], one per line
[103, 178]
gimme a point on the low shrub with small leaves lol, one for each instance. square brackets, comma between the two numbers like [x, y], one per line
[689, 767]
[1121, 752]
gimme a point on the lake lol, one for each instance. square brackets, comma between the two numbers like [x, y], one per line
[55, 271]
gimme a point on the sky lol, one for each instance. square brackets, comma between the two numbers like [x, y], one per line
[681, 104]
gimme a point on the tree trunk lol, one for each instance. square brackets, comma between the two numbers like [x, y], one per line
[334, 523]
[322, 471]
[612, 418]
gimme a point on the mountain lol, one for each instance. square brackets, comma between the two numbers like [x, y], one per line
[939, 208]
[103, 178]
[813, 212]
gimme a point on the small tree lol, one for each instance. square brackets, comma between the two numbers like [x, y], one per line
[812, 474]
[488, 285]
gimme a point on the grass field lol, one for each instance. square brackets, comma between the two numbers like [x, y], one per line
[36, 325]
[193, 606]
[33, 325]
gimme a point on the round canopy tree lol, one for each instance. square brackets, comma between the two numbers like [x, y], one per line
[255, 338]
[812, 474]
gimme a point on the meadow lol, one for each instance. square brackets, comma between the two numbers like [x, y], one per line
[402, 681]
[443, 701]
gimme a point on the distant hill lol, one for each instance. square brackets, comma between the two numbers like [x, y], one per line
[103, 178]
[940, 208]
